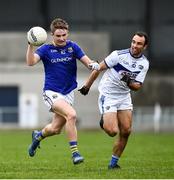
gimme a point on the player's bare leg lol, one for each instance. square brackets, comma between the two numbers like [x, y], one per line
[54, 127]
[68, 112]
[64, 115]
[110, 126]
[110, 123]
[124, 123]
[114, 123]
[51, 129]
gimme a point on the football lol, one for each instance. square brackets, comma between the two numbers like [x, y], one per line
[37, 36]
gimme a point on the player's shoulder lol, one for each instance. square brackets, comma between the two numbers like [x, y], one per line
[145, 61]
[45, 46]
[144, 58]
[119, 52]
[41, 48]
[123, 51]
[71, 43]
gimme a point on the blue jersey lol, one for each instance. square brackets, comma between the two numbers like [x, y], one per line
[60, 66]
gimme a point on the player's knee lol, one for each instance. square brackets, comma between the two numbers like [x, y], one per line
[56, 130]
[126, 132]
[111, 131]
[71, 117]
[111, 134]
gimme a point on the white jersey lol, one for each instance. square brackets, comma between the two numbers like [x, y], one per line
[121, 62]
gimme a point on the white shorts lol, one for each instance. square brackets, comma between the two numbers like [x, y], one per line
[50, 97]
[108, 104]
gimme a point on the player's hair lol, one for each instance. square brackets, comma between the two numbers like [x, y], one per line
[143, 34]
[58, 23]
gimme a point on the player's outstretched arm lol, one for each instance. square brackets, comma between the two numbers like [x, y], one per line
[93, 76]
[86, 87]
[90, 64]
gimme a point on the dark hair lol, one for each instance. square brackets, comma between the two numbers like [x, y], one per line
[58, 23]
[141, 34]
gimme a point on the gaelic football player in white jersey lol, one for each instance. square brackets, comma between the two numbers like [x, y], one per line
[59, 60]
[125, 71]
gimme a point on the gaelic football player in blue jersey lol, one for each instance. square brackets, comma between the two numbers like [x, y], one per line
[59, 61]
[126, 70]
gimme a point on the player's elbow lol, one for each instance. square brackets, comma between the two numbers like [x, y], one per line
[30, 62]
[135, 86]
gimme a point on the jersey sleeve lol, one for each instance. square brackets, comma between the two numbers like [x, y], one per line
[78, 52]
[112, 59]
[141, 76]
[41, 51]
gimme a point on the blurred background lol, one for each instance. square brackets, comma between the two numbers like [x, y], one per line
[99, 27]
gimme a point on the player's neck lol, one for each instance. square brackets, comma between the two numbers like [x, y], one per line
[58, 45]
[135, 55]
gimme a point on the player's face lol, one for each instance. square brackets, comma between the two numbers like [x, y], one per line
[137, 45]
[60, 36]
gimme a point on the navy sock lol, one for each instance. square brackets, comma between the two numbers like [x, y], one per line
[114, 160]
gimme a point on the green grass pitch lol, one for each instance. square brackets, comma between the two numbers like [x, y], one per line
[147, 155]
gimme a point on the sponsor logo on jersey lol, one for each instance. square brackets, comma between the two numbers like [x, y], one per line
[53, 50]
[64, 59]
[70, 49]
[133, 75]
[125, 62]
[140, 67]
[134, 65]
[62, 51]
